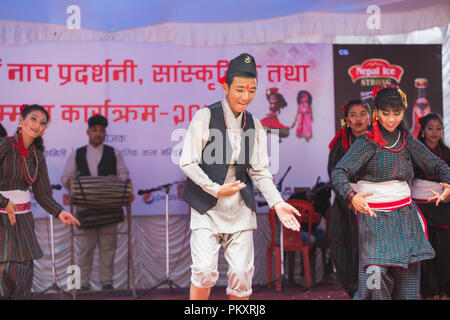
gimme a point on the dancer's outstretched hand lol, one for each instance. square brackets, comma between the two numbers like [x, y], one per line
[68, 219]
[438, 197]
[286, 213]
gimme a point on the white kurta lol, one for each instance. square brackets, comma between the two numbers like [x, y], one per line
[105, 236]
[230, 214]
[93, 158]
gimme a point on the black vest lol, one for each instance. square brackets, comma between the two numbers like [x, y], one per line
[215, 165]
[106, 166]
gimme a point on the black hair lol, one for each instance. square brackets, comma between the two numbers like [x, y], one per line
[299, 96]
[352, 103]
[97, 119]
[423, 123]
[3, 132]
[230, 77]
[38, 142]
[355, 102]
[391, 99]
[281, 102]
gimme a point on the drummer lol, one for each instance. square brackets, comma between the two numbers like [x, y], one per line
[96, 159]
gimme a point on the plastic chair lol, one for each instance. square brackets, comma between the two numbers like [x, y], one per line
[323, 246]
[292, 240]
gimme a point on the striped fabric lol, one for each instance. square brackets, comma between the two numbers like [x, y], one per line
[439, 216]
[343, 230]
[435, 275]
[337, 153]
[389, 206]
[343, 237]
[394, 238]
[374, 163]
[440, 151]
[18, 242]
[388, 283]
[12, 176]
[16, 280]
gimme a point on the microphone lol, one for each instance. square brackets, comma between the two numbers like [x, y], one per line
[262, 203]
[56, 186]
[165, 186]
[141, 192]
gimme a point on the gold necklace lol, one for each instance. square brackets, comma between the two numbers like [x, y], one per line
[27, 175]
[26, 171]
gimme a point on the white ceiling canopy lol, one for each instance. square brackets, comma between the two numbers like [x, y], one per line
[209, 23]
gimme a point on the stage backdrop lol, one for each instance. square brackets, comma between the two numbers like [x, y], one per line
[150, 92]
[417, 69]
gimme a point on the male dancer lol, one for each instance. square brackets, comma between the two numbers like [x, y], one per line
[225, 151]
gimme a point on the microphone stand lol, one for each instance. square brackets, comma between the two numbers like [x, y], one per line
[54, 287]
[166, 280]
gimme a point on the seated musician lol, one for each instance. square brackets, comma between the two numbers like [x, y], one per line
[96, 159]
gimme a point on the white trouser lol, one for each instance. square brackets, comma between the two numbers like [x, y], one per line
[238, 251]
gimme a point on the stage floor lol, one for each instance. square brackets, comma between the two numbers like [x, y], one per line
[328, 291]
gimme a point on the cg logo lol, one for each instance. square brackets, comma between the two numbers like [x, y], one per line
[343, 52]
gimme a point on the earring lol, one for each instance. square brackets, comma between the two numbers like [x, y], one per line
[43, 133]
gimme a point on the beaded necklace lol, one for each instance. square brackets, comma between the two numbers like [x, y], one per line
[403, 144]
[395, 143]
[19, 145]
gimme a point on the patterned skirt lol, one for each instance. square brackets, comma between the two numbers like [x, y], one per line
[18, 242]
[343, 235]
[394, 238]
[435, 275]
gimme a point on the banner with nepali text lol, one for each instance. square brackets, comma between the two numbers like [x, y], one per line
[150, 92]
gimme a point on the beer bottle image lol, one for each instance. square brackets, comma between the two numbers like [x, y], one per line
[421, 106]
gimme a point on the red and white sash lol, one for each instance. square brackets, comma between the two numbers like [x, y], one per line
[420, 191]
[20, 198]
[388, 196]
